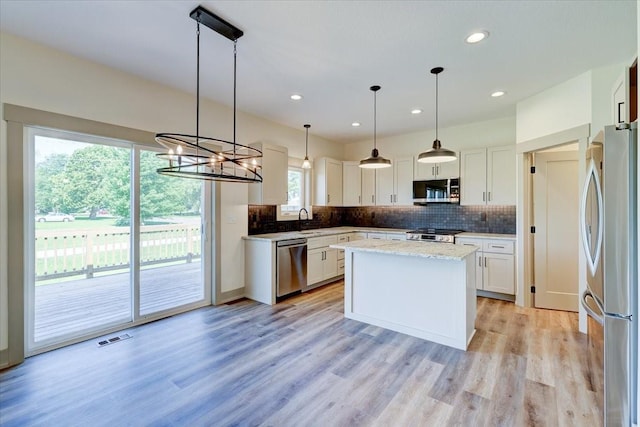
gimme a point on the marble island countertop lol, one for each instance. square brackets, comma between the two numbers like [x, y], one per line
[321, 232]
[446, 251]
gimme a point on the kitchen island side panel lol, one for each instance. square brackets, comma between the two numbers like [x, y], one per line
[433, 299]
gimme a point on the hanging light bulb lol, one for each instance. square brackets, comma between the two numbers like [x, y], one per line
[375, 161]
[437, 154]
[306, 164]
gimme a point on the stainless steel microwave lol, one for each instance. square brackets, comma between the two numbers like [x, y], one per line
[436, 191]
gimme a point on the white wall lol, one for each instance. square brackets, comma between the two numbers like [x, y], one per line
[474, 135]
[561, 107]
[39, 77]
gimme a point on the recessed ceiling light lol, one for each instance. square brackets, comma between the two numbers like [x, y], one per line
[296, 97]
[416, 111]
[477, 37]
[355, 124]
[498, 93]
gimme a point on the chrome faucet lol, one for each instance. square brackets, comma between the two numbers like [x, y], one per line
[300, 214]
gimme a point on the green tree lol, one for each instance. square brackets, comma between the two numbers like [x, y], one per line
[163, 195]
[94, 178]
[49, 195]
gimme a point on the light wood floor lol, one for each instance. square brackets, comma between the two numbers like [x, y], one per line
[301, 363]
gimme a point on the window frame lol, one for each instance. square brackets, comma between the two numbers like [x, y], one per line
[296, 165]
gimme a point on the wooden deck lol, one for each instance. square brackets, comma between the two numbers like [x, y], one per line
[85, 304]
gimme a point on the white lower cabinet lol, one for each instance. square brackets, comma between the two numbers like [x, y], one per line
[495, 264]
[322, 261]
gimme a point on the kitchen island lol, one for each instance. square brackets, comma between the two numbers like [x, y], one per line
[422, 289]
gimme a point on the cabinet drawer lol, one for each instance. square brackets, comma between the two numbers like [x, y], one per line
[341, 266]
[315, 242]
[343, 238]
[469, 242]
[340, 255]
[498, 246]
[320, 242]
[379, 236]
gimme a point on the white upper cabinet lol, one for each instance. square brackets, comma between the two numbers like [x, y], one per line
[368, 187]
[501, 175]
[275, 163]
[403, 182]
[328, 182]
[394, 185]
[488, 176]
[384, 185]
[446, 170]
[620, 98]
[351, 184]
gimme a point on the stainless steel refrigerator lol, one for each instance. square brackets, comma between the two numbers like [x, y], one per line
[610, 239]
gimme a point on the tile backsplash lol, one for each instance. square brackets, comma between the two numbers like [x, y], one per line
[479, 219]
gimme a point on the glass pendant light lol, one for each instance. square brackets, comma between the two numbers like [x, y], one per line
[437, 154]
[305, 163]
[375, 161]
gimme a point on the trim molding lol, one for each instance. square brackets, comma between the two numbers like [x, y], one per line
[232, 295]
[555, 139]
[33, 117]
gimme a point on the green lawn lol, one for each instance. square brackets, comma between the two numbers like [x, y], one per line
[81, 223]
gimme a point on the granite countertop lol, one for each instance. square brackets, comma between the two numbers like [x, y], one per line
[487, 236]
[321, 232]
[446, 251]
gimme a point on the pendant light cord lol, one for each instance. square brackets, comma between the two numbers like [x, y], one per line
[374, 119]
[198, 83]
[235, 61]
[306, 144]
[436, 107]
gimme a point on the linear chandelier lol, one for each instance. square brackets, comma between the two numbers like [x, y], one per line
[201, 157]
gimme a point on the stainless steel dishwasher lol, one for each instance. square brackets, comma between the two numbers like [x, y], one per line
[291, 259]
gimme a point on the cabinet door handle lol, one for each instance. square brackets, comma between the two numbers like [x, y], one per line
[433, 170]
[328, 198]
[483, 196]
[372, 198]
[479, 261]
[359, 199]
[437, 170]
[390, 198]
[489, 197]
[485, 261]
[497, 246]
[620, 104]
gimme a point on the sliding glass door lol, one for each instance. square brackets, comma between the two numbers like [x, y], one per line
[112, 243]
[170, 245]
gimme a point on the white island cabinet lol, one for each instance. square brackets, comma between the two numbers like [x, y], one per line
[426, 290]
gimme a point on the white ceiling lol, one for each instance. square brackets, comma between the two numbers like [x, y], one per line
[332, 51]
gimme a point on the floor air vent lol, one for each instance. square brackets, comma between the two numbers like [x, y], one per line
[113, 340]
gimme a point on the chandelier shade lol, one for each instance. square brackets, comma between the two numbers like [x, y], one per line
[437, 154]
[375, 161]
[207, 158]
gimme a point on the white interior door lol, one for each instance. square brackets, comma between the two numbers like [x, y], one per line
[556, 240]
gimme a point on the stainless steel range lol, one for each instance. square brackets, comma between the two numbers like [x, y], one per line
[440, 235]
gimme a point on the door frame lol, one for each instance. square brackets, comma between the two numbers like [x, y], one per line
[524, 210]
[18, 119]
